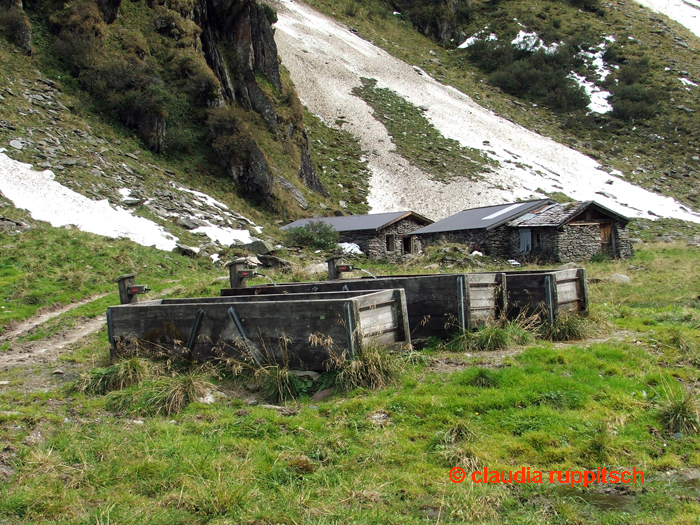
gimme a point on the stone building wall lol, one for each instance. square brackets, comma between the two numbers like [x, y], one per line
[622, 241]
[374, 244]
[579, 242]
[544, 249]
[570, 243]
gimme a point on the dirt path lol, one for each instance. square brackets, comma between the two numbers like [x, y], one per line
[48, 350]
[26, 326]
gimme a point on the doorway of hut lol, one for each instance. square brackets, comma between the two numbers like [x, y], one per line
[407, 245]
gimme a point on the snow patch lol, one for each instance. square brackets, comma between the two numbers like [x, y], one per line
[687, 82]
[532, 42]
[47, 200]
[225, 236]
[599, 98]
[350, 248]
[477, 36]
[685, 14]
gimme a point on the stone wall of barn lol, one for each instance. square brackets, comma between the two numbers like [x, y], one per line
[622, 241]
[494, 242]
[544, 248]
[570, 243]
[578, 242]
[374, 244]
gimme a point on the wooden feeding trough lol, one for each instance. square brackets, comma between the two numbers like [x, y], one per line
[301, 330]
[548, 293]
[437, 304]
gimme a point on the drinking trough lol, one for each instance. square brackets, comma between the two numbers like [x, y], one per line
[301, 330]
[437, 304]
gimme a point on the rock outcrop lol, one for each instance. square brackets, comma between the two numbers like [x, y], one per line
[14, 21]
[437, 19]
[207, 62]
[109, 9]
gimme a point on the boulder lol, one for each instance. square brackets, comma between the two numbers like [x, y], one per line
[270, 261]
[258, 247]
[316, 268]
[188, 251]
[293, 191]
[620, 278]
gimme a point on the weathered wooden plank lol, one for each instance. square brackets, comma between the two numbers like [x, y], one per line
[475, 279]
[480, 294]
[567, 295]
[371, 318]
[582, 290]
[303, 296]
[563, 275]
[382, 339]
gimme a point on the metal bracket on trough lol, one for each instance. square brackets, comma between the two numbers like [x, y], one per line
[195, 330]
[350, 327]
[461, 314]
[110, 334]
[345, 288]
[255, 353]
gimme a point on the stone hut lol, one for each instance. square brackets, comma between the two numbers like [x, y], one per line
[572, 231]
[539, 230]
[379, 235]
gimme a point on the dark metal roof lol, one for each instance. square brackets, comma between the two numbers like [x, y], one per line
[373, 221]
[559, 214]
[486, 217]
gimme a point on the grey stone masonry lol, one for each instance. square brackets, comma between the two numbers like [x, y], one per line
[374, 243]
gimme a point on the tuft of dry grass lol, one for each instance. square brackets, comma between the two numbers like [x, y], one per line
[121, 375]
[371, 367]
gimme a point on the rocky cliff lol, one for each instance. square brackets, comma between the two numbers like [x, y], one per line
[184, 76]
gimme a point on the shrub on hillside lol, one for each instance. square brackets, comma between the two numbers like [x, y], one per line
[15, 24]
[316, 235]
[538, 76]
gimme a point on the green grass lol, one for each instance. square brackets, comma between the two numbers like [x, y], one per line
[150, 452]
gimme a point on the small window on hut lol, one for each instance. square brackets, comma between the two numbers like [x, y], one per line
[538, 240]
[390, 243]
[407, 245]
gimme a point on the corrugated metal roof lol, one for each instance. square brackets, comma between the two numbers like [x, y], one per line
[480, 218]
[373, 221]
[559, 214]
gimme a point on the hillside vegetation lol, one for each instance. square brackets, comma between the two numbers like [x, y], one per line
[651, 134]
[203, 96]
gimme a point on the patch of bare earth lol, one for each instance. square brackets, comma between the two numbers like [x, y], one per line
[21, 328]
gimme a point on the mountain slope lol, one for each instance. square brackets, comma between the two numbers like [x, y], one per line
[320, 52]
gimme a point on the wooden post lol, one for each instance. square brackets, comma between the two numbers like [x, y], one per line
[582, 286]
[234, 267]
[333, 273]
[502, 296]
[124, 282]
[551, 297]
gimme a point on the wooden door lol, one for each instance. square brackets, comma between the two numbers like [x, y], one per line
[606, 238]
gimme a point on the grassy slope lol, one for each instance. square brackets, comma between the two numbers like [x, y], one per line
[553, 406]
[656, 153]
